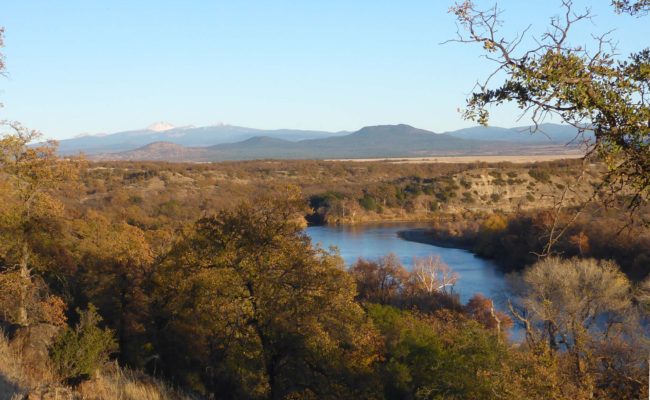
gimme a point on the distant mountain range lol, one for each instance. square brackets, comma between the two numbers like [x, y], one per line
[189, 136]
[162, 141]
[545, 134]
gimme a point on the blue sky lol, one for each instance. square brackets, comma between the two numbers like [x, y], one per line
[80, 66]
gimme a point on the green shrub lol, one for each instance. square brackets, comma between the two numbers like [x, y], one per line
[539, 174]
[368, 202]
[413, 189]
[81, 351]
[442, 197]
[432, 358]
[325, 199]
[135, 199]
[170, 208]
[498, 178]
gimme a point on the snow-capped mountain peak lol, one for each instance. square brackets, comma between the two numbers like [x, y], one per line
[160, 126]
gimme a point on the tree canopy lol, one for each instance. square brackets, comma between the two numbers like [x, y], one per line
[247, 289]
[587, 87]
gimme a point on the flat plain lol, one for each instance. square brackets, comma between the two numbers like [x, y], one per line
[516, 159]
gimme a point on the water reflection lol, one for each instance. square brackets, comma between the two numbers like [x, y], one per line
[373, 241]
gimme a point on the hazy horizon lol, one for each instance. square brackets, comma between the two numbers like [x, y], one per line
[152, 127]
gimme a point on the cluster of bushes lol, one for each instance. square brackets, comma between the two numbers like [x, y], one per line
[400, 195]
[165, 196]
[539, 174]
[517, 241]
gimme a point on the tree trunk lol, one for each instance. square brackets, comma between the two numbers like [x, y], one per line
[496, 319]
[270, 358]
[25, 280]
[578, 345]
[271, 372]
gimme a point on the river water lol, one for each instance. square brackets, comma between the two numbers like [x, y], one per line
[372, 241]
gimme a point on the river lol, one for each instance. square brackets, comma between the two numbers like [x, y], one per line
[371, 241]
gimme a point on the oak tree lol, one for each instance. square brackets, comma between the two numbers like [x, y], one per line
[248, 307]
[31, 215]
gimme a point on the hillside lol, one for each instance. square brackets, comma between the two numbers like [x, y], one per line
[188, 136]
[228, 142]
[546, 134]
[370, 142]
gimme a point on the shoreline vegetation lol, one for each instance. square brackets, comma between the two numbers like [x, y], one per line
[432, 237]
[514, 239]
[424, 235]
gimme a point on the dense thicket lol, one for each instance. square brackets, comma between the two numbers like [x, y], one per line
[248, 307]
[517, 240]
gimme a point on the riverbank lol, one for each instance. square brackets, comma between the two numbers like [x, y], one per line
[423, 235]
[433, 237]
[374, 241]
[312, 221]
[437, 238]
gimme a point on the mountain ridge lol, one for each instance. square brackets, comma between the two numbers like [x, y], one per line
[382, 141]
[206, 136]
[187, 136]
